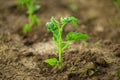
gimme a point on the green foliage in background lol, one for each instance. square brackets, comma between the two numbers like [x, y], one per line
[31, 9]
[117, 2]
[56, 27]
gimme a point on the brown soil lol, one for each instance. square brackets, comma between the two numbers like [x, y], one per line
[22, 56]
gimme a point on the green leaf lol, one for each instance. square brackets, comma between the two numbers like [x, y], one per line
[68, 20]
[30, 10]
[64, 45]
[53, 25]
[35, 20]
[76, 36]
[55, 22]
[26, 28]
[65, 20]
[62, 21]
[36, 8]
[74, 21]
[51, 61]
[50, 26]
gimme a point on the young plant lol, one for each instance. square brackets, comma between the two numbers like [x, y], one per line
[57, 29]
[31, 10]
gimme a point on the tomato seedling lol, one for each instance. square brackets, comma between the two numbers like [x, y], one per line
[31, 10]
[56, 27]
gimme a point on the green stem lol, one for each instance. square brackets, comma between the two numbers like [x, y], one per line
[31, 23]
[60, 49]
[30, 10]
[30, 20]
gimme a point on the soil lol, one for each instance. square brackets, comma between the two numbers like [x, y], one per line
[22, 55]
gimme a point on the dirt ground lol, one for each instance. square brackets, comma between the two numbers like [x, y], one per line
[22, 55]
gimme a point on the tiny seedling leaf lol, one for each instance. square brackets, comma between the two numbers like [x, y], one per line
[55, 22]
[50, 26]
[64, 45]
[51, 61]
[62, 21]
[76, 36]
[67, 19]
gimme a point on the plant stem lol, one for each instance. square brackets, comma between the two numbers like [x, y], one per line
[30, 22]
[60, 49]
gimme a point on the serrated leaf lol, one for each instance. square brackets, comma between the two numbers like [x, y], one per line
[68, 20]
[53, 25]
[62, 20]
[51, 61]
[74, 21]
[76, 36]
[55, 22]
[65, 20]
[50, 26]
[64, 45]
